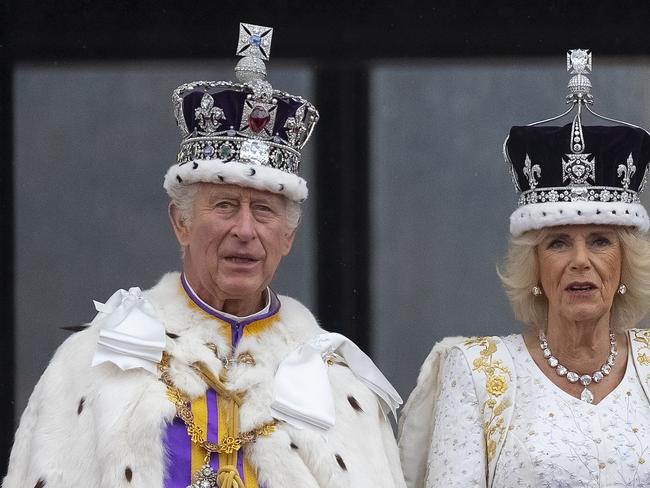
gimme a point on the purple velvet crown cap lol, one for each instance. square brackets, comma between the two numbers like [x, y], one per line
[232, 103]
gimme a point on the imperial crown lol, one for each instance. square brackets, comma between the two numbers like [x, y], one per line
[245, 133]
[575, 174]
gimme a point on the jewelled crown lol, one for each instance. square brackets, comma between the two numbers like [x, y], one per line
[245, 133]
[576, 174]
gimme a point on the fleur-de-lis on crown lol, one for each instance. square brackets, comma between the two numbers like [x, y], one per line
[296, 127]
[530, 171]
[626, 171]
[208, 115]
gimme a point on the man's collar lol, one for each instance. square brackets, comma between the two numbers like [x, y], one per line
[272, 305]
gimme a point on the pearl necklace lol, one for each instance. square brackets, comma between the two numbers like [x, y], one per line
[572, 376]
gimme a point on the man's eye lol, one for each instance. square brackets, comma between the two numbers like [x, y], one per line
[264, 208]
[224, 204]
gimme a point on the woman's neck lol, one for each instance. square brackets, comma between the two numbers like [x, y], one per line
[579, 345]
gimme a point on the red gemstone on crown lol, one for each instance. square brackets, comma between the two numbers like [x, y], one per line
[258, 119]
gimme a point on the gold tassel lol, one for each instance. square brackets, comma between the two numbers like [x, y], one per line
[228, 477]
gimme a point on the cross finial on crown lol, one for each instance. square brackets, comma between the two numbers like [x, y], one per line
[578, 61]
[578, 64]
[254, 41]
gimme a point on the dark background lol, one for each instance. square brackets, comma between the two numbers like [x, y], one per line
[338, 39]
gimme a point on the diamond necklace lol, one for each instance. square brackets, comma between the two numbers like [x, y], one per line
[573, 377]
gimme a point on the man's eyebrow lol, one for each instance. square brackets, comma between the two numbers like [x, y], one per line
[221, 194]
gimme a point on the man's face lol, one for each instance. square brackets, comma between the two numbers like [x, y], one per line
[234, 241]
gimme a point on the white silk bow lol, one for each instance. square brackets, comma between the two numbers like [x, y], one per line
[129, 334]
[302, 394]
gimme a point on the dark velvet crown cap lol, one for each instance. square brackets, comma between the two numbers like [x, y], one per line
[232, 103]
[578, 174]
[608, 147]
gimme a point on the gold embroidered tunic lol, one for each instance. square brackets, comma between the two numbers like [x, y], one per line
[553, 439]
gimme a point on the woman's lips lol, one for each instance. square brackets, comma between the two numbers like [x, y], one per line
[582, 287]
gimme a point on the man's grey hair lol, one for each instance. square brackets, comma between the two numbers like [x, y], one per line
[182, 197]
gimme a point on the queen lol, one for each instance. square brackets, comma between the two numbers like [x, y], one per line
[566, 402]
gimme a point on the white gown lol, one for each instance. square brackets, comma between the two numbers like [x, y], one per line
[554, 440]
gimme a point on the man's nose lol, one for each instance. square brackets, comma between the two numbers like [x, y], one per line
[244, 227]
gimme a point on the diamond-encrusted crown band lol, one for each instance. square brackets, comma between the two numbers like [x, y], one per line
[578, 194]
[227, 149]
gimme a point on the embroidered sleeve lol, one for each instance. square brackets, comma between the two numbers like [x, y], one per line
[457, 456]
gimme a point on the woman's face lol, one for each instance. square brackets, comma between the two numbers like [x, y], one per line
[580, 270]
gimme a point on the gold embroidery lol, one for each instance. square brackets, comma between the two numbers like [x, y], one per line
[642, 336]
[230, 444]
[496, 386]
[497, 377]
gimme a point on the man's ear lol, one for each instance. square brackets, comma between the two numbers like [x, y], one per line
[180, 225]
[288, 241]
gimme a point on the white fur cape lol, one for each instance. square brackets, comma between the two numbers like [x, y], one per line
[103, 427]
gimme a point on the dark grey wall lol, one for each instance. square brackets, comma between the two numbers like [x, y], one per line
[93, 142]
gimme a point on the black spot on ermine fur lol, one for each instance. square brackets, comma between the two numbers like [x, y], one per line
[81, 405]
[339, 460]
[354, 403]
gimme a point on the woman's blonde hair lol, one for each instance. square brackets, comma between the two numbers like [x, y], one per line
[520, 273]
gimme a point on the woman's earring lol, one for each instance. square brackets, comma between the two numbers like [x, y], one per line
[622, 289]
[537, 291]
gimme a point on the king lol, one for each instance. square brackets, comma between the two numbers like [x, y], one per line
[211, 378]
